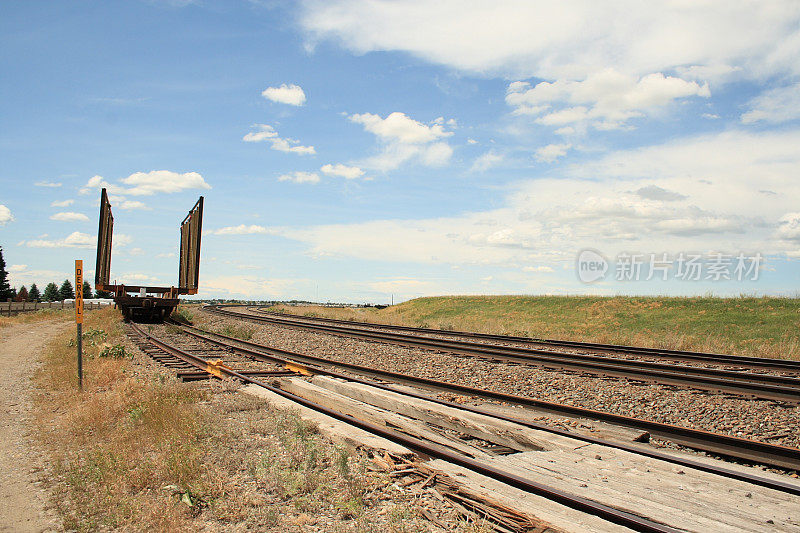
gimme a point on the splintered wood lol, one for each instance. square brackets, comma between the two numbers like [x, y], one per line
[474, 506]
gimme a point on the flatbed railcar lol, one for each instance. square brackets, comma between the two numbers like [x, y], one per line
[141, 302]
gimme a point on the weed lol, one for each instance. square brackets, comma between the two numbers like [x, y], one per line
[244, 333]
[343, 463]
[115, 351]
[135, 413]
[183, 315]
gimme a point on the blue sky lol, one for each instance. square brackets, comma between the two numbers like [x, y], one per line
[351, 151]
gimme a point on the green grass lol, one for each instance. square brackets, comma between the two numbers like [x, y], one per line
[765, 327]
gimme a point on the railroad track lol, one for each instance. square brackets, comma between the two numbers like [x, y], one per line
[611, 514]
[190, 369]
[199, 355]
[773, 387]
[738, 448]
[762, 363]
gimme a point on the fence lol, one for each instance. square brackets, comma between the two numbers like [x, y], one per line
[9, 308]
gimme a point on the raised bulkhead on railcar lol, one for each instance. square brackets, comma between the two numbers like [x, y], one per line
[143, 302]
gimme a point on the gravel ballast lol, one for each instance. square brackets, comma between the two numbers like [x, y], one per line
[761, 420]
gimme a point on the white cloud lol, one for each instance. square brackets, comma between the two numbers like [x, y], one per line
[131, 204]
[285, 94]
[342, 171]
[686, 195]
[242, 229]
[403, 139]
[486, 161]
[789, 228]
[5, 215]
[300, 177]
[98, 182]
[602, 65]
[570, 40]
[551, 152]
[292, 146]
[149, 183]
[120, 202]
[245, 266]
[605, 99]
[136, 251]
[20, 275]
[775, 106]
[122, 240]
[163, 181]
[75, 239]
[137, 276]
[436, 155]
[254, 287]
[398, 127]
[472, 141]
[69, 216]
[62, 203]
[710, 116]
[654, 192]
[263, 132]
[52, 184]
[401, 286]
[540, 268]
[266, 133]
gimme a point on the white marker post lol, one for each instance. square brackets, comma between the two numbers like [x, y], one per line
[79, 316]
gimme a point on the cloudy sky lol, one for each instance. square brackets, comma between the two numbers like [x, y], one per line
[354, 150]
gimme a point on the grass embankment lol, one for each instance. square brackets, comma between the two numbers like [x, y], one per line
[764, 327]
[138, 450]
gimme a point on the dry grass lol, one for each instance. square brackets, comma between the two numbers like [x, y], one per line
[116, 445]
[36, 316]
[139, 451]
[762, 327]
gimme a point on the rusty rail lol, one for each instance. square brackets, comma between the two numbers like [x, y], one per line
[573, 501]
[765, 386]
[661, 353]
[726, 445]
[290, 358]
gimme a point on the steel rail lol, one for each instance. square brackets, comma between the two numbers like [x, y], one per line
[789, 381]
[680, 355]
[735, 447]
[290, 358]
[579, 503]
[770, 387]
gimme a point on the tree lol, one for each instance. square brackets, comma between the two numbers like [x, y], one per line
[22, 294]
[5, 288]
[87, 290]
[103, 294]
[66, 292]
[34, 295]
[51, 292]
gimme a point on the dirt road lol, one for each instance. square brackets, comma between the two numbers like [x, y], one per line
[23, 503]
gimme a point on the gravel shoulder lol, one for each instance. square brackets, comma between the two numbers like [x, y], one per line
[24, 504]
